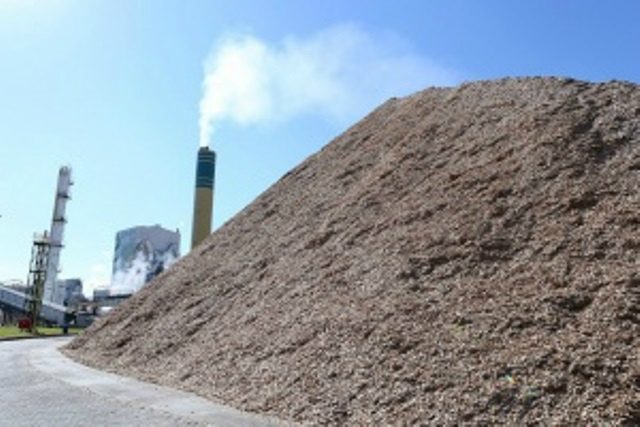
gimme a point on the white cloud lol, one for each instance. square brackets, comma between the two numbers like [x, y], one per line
[98, 276]
[340, 73]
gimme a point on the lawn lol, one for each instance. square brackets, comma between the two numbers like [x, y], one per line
[14, 331]
[11, 332]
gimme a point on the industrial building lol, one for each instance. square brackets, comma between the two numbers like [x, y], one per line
[69, 291]
[140, 254]
[43, 297]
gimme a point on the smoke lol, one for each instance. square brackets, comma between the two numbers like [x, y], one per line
[130, 278]
[131, 275]
[340, 73]
[167, 259]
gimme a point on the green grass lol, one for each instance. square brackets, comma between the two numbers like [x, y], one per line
[14, 331]
[57, 331]
[11, 332]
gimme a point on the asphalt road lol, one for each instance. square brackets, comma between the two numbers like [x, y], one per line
[39, 387]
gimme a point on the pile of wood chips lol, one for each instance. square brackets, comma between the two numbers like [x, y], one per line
[465, 256]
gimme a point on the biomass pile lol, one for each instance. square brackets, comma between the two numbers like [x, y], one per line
[464, 256]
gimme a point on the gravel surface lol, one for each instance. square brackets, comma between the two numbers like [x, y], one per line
[461, 257]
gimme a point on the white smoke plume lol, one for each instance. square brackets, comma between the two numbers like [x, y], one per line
[341, 73]
[130, 278]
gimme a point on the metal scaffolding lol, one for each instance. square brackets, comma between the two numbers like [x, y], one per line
[37, 276]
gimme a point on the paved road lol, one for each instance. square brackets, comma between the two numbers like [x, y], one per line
[39, 387]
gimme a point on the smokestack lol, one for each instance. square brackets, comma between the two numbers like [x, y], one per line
[203, 203]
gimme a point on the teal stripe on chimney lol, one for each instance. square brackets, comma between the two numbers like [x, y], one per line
[205, 172]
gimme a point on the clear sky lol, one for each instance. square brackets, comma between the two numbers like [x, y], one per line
[113, 88]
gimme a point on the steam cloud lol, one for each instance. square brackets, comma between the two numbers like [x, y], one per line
[341, 73]
[131, 276]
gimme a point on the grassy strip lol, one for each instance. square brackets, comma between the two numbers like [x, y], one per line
[15, 332]
[12, 332]
[57, 331]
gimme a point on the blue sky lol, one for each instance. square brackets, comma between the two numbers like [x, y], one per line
[114, 87]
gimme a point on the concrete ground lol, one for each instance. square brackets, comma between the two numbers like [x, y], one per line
[39, 387]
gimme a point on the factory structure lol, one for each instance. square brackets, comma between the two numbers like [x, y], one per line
[44, 296]
[141, 253]
[63, 194]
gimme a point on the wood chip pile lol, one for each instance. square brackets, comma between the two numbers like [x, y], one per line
[465, 256]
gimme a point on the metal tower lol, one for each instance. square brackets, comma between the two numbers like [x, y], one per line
[63, 194]
[37, 276]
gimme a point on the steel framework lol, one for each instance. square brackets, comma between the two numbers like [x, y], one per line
[37, 277]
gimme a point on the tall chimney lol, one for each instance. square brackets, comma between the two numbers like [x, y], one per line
[203, 204]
